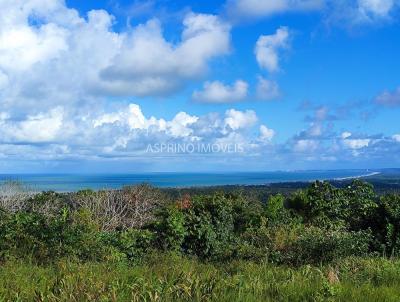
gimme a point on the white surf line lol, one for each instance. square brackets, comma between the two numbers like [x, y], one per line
[358, 176]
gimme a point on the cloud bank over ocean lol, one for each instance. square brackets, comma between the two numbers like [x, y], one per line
[92, 85]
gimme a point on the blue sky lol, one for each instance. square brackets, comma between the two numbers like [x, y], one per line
[118, 86]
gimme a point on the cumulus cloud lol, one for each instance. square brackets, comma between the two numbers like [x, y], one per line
[236, 119]
[319, 124]
[123, 132]
[217, 92]
[138, 70]
[346, 134]
[132, 116]
[43, 127]
[180, 125]
[306, 145]
[267, 89]
[268, 46]
[50, 54]
[239, 9]
[356, 143]
[389, 98]
[266, 134]
[396, 137]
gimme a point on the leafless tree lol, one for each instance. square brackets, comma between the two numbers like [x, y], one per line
[14, 196]
[132, 206]
[141, 201]
[48, 204]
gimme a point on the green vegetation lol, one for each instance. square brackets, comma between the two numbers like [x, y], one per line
[136, 244]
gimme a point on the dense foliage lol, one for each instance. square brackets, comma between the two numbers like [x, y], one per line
[318, 225]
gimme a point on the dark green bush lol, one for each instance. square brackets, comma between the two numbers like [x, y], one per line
[210, 227]
[131, 244]
[33, 235]
[388, 224]
[354, 206]
[316, 245]
[320, 202]
[170, 228]
[362, 205]
[256, 243]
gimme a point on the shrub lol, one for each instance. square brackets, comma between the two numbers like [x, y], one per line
[320, 202]
[131, 243]
[246, 213]
[210, 227]
[362, 205]
[256, 243]
[316, 245]
[170, 228]
[207, 228]
[33, 235]
[277, 212]
[390, 223]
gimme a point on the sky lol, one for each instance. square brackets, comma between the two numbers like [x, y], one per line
[130, 86]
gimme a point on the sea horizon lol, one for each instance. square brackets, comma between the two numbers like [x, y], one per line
[69, 182]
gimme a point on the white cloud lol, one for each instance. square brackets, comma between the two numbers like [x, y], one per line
[123, 132]
[49, 55]
[356, 143]
[43, 127]
[396, 137]
[318, 127]
[138, 70]
[267, 89]
[263, 8]
[236, 120]
[306, 145]
[346, 134]
[179, 126]
[133, 117]
[217, 92]
[380, 8]
[315, 129]
[266, 134]
[267, 47]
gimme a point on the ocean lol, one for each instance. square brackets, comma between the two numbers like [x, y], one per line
[75, 182]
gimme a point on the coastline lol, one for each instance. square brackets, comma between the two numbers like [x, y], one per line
[358, 176]
[68, 187]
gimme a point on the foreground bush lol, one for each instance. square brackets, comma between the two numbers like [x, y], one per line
[318, 225]
[33, 235]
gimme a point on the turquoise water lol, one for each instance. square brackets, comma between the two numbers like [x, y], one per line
[64, 182]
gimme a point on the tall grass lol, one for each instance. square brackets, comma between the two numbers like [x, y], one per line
[174, 278]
